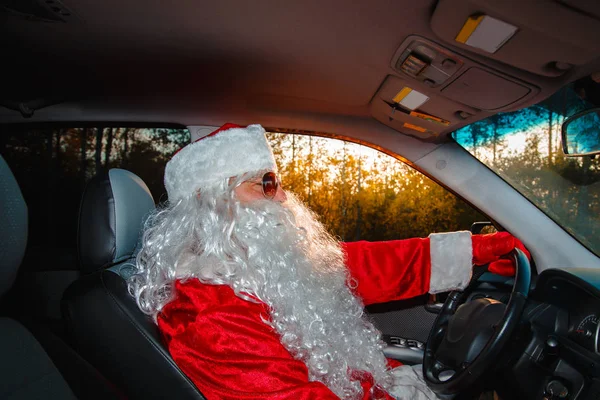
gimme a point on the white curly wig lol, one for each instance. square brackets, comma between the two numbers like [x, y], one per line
[281, 255]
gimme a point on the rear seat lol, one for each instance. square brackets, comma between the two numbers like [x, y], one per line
[35, 364]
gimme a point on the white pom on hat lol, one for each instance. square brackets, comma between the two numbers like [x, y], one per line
[227, 152]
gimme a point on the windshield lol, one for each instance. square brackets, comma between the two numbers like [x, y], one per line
[524, 148]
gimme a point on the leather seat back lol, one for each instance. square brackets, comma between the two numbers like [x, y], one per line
[26, 370]
[103, 320]
[13, 227]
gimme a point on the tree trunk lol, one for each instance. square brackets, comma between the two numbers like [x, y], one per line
[343, 207]
[494, 141]
[83, 154]
[98, 156]
[550, 150]
[357, 233]
[59, 133]
[125, 154]
[309, 170]
[474, 137]
[108, 148]
[583, 202]
[293, 183]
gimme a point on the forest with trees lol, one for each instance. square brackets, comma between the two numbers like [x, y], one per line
[524, 147]
[53, 164]
[363, 194]
[359, 193]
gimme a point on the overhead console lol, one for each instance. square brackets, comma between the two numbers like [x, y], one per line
[463, 73]
[434, 89]
[425, 121]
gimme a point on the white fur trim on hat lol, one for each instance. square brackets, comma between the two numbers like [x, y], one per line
[226, 154]
[451, 261]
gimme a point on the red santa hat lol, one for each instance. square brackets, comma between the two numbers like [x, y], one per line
[229, 151]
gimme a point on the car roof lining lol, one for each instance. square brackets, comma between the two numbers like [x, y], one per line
[308, 65]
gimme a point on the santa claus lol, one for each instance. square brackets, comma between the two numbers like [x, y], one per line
[256, 300]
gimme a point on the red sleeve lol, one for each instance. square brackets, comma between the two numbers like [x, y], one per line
[220, 342]
[386, 271]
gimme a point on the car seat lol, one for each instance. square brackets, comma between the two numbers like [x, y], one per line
[35, 363]
[103, 320]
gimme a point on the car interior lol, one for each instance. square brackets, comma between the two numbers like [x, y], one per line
[407, 78]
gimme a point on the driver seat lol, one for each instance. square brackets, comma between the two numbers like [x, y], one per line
[103, 320]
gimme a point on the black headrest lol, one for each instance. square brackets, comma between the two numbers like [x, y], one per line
[13, 227]
[113, 210]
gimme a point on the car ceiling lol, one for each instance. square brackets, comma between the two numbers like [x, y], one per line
[198, 62]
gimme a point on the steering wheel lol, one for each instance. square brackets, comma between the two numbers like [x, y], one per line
[466, 340]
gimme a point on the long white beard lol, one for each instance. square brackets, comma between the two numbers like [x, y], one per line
[283, 256]
[294, 266]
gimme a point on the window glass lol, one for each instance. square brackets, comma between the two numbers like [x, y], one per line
[524, 148]
[363, 194]
[53, 164]
[358, 192]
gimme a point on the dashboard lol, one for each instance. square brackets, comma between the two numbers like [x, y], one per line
[575, 294]
[557, 347]
[583, 324]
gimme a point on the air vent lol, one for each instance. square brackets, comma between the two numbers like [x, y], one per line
[38, 10]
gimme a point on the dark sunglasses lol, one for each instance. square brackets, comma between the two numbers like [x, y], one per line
[270, 183]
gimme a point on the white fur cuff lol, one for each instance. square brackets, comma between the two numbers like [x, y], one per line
[451, 261]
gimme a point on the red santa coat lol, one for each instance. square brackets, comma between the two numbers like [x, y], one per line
[222, 344]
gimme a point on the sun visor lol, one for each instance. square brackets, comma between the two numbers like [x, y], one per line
[428, 120]
[546, 38]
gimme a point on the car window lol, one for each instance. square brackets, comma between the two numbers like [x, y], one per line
[524, 148]
[52, 165]
[363, 194]
[358, 192]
